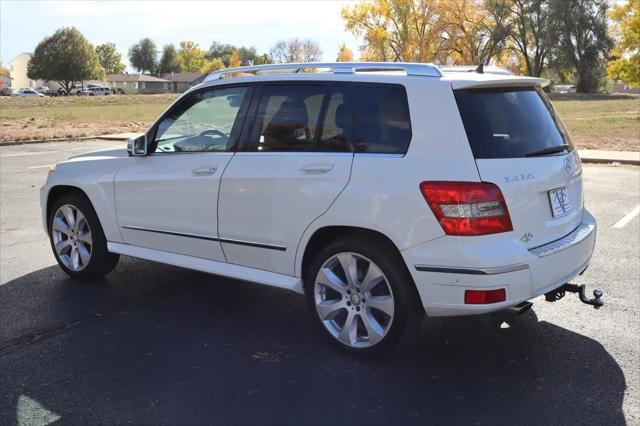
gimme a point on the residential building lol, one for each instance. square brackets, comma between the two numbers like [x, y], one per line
[180, 82]
[18, 69]
[133, 84]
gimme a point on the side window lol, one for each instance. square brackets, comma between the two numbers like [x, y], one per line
[203, 122]
[290, 118]
[382, 119]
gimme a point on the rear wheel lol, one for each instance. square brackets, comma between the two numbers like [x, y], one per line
[360, 295]
[77, 239]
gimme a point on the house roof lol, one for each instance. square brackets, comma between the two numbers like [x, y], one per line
[183, 76]
[134, 77]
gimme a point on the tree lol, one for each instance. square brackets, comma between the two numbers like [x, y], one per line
[143, 56]
[224, 52]
[235, 60]
[533, 31]
[3, 69]
[212, 66]
[263, 59]
[476, 33]
[295, 50]
[109, 58]
[583, 40]
[400, 30]
[66, 57]
[169, 61]
[191, 56]
[344, 54]
[625, 64]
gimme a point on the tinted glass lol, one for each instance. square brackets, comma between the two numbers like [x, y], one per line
[382, 119]
[509, 123]
[289, 119]
[202, 122]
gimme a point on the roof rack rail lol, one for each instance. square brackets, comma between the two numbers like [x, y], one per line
[417, 69]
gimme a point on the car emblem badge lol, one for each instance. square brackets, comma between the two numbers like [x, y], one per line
[528, 236]
[568, 164]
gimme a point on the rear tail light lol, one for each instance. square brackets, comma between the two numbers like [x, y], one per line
[467, 208]
[484, 297]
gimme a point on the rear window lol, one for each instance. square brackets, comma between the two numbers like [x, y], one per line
[382, 119]
[509, 122]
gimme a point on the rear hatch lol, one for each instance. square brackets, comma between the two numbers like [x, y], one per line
[520, 145]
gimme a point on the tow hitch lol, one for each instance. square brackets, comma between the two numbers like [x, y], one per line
[559, 293]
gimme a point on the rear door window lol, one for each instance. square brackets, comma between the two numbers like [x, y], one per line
[383, 125]
[301, 118]
[510, 122]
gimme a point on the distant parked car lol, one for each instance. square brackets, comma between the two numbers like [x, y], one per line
[8, 91]
[27, 93]
[98, 91]
[45, 90]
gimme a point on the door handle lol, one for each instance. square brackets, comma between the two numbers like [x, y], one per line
[317, 168]
[203, 171]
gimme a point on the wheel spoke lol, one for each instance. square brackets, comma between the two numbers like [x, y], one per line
[328, 278]
[75, 258]
[349, 332]
[381, 303]
[350, 268]
[375, 332]
[61, 246]
[373, 278]
[84, 254]
[86, 238]
[328, 309]
[59, 226]
[69, 215]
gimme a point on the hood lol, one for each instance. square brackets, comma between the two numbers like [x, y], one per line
[113, 152]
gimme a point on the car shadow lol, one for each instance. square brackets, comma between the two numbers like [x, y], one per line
[154, 344]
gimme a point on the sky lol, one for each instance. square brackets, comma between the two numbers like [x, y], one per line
[23, 24]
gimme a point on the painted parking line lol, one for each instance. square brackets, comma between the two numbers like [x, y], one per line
[24, 154]
[627, 218]
[40, 167]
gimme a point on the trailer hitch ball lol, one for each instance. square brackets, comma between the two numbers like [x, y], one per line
[560, 292]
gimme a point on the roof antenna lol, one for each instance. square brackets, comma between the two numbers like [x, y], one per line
[480, 69]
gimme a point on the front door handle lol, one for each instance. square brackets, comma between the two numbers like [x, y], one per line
[317, 168]
[204, 171]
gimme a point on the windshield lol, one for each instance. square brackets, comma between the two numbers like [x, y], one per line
[511, 122]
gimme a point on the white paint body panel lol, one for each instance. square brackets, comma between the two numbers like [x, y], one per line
[268, 198]
[160, 192]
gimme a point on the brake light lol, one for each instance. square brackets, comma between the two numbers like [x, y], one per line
[484, 297]
[467, 208]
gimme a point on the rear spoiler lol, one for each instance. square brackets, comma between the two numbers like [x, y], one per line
[492, 80]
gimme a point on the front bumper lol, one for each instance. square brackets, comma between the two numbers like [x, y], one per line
[443, 269]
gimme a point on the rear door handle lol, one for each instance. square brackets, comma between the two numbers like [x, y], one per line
[203, 171]
[317, 168]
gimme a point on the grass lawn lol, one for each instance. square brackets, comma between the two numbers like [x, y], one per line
[609, 122]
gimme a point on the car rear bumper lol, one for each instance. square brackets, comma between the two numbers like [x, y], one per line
[444, 268]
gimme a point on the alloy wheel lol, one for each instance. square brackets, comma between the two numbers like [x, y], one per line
[354, 300]
[71, 237]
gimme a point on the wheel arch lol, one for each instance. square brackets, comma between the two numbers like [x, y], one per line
[58, 191]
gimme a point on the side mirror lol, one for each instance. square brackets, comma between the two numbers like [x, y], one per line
[137, 147]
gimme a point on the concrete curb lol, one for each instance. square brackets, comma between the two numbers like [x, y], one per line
[609, 161]
[31, 142]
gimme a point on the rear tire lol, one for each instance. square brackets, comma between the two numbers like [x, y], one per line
[364, 311]
[77, 238]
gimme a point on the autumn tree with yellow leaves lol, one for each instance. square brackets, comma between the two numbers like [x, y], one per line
[625, 63]
[344, 54]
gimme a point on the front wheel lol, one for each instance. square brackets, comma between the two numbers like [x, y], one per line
[360, 295]
[77, 239]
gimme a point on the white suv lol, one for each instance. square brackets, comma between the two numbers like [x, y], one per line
[380, 191]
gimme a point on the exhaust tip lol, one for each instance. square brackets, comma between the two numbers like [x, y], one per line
[520, 308]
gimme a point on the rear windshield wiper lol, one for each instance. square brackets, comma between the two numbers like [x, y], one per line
[551, 150]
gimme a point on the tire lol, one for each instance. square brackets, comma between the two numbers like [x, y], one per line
[378, 326]
[77, 238]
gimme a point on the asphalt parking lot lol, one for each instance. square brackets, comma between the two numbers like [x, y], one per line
[155, 344]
